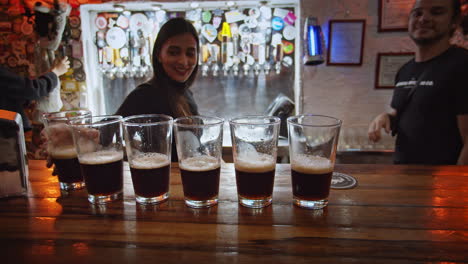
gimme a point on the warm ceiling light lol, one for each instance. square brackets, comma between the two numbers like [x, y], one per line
[230, 3]
[194, 5]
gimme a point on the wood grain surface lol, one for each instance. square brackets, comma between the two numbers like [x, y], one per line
[397, 214]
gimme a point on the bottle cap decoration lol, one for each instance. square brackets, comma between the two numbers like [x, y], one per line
[123, 22]
[289, 32]
[234, 16]
[254, 12]
[137, 21]
[246, 39]
[101, 22]
[290, 18]
[116, 37]
[217, 21]
[277, 23]
[74, 21]
[288, 47]
[266, 12]
[280, 12]
[226, 30]
[206, 16]
[209, 32]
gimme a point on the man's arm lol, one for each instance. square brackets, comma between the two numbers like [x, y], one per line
[24, 88]
[462, 121]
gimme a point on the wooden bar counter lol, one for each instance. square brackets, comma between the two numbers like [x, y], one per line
[397, 214]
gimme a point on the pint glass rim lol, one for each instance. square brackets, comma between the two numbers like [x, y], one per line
[56, 116]
[292, 120]
[126, 120]
[112, 119]
[235, 120]
[216, 121]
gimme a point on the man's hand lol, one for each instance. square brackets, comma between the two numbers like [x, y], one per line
[381, 121]
[61, 66]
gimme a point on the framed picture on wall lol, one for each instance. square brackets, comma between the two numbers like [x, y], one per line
[346, 42]
[387, 67]
[393, 15]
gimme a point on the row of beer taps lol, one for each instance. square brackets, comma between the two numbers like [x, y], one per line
[257, 58]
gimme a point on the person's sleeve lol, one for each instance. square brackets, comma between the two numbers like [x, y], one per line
[17, 87]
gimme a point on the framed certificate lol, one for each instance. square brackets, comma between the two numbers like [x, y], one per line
[346, 42]
[394, 14]
[387, 67]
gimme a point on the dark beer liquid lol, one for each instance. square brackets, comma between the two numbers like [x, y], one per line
[200, 185]
[311, 187]
[150, 182]
[68, 170]
[255, 185]
[103, 179]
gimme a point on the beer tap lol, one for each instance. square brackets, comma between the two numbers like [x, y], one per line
[278, 57]
[214, 58]
[235, 48]
[267, 49]
[267, 68]
[255, 54]
[204, 59]
[246, 68]
[224, 54]
[118, 64]
[235, 67]
[226, 47]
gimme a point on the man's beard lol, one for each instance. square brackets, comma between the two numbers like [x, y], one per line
[433, 39]
[427, 41]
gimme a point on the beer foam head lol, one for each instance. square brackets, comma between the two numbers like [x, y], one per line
[256, 162]
[101, 157]
[149, 161]
[309, 164]
[200, 163]
[64, 152]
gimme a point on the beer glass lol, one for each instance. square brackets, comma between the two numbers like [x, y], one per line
[61, 148]
[199, 147]
[98, 142]
[312, 148]
[254, 148]
[148, 141]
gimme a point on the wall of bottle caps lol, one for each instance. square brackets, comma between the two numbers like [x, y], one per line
[23, 50]
[233, 40]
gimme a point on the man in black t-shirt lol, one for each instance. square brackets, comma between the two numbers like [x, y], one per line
[430, 101]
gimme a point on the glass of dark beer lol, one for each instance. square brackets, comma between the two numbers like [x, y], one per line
[254, 148]
[61, 147]
[148, 141]
[312, 148]
[98, 142]
[199, 148]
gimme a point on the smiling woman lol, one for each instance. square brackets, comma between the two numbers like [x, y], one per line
[178, 56]
[174, 67]
[175, 56]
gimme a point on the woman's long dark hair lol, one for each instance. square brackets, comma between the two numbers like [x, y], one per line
[173, 89]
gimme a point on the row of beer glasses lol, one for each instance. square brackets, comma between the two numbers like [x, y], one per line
[99, 149]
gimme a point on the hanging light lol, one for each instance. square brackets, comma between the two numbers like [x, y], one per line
[314, 43]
